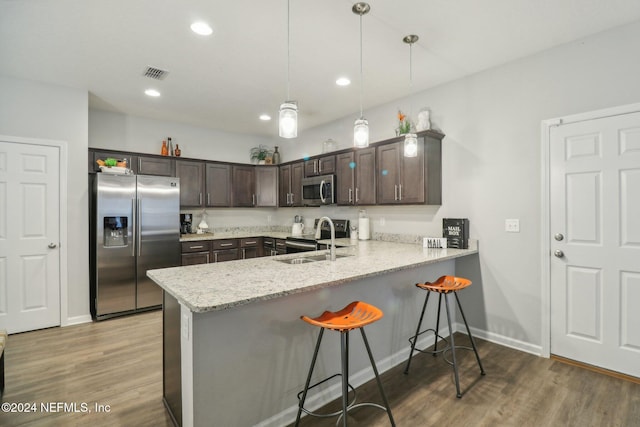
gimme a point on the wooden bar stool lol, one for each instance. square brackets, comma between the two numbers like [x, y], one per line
[445, 285]
[354, 316]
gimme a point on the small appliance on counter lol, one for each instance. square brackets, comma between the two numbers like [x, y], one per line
[298, 226]
[203, 227]
[186, 223]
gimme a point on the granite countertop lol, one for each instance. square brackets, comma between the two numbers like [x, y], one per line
[218, 286]
[241, 234]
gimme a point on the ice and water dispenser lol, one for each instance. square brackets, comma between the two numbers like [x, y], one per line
[115, 231]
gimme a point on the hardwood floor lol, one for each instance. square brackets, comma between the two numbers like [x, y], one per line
[118, 362]
[519, 390]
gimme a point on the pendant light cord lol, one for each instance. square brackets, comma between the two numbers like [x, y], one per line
[410, 81]
[361, 83]
[288, 45]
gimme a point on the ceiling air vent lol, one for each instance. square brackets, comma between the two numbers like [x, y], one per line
[155, 73]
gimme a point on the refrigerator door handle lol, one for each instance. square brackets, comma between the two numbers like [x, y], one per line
[134, 227]
[138, 233]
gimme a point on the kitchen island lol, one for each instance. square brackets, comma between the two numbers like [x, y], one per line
[236, 351]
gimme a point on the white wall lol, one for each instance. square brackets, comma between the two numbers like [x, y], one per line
[116, 131]
[39, 110]
[492, 163]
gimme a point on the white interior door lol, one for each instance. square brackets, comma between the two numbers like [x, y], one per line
[29, 236]
[595, 242]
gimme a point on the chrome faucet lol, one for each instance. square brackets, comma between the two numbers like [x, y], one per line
[333, 235]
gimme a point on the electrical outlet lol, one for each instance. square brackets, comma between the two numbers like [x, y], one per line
[512, 225]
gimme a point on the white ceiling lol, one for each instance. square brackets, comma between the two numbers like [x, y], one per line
[226, 80]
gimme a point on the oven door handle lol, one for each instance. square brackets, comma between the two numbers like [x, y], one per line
[302, 245]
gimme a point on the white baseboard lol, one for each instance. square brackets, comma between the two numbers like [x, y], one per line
[76, 320]
[501, 340]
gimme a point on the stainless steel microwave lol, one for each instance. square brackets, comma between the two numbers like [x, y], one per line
[318, 190]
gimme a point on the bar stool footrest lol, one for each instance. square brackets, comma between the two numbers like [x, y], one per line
[350, 405]
[432, 352]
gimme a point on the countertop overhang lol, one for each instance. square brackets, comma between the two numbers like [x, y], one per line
[219, 286]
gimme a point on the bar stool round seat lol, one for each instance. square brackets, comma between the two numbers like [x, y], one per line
[354, 316]
[444, 286]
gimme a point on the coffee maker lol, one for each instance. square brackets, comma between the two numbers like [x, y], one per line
[185, 223]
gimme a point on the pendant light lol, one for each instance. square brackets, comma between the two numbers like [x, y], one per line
[361, 126]
[288, 116]
[410, 139]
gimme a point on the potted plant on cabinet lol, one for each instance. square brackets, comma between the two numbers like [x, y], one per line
[260, 153]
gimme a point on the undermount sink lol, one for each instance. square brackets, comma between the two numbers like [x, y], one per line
[307, 259]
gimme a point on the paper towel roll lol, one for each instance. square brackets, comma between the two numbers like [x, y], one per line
[363, 229]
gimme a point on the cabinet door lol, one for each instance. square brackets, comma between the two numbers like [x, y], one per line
[225, 255]
[281, 246]
[244, 194]
[266, 186]
[311, 167]
[218, 184]
[344, 178]
[191, 176]
[155, 166]
[195, 258]
[412, 176]
[365, 176]
[389, 171]
[284, 186]
[297, 172]
[327, 165]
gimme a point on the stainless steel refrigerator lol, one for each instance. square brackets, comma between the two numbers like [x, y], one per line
[135, 227]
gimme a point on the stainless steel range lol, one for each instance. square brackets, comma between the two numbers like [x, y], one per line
[308, 242]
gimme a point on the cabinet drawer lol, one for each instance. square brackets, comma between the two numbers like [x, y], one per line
[199, 246]
[251, 242]
[224, 244]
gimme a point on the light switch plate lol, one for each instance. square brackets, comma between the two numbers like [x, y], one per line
[512, 225]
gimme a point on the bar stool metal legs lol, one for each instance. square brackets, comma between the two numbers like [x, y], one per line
[444, 286]
[363, 314]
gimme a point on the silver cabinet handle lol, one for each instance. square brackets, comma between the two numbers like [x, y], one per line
[400, 187]
[253, 242]
[357, 198]
[196, 247]
[253, 199]
[315, 166]
[200, 198]
[395, 192]
[225, 244]
[208, 198]
[292, 201]
[244, 253]
[350, 195]
[139, 164]
[319, 165]
[52, 245]
[558, 253]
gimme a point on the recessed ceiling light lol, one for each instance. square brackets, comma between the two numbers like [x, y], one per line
[343, 81]
[201, 28]
[265, 117]
[152, 92]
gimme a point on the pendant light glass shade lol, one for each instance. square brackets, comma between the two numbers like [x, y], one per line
[361, 126]
[361, 133]
[288, 120]
[288, 116]
[411, 145]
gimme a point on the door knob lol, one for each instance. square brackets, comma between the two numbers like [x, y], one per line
[52, 245]
[559, 237]
[558, 253]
